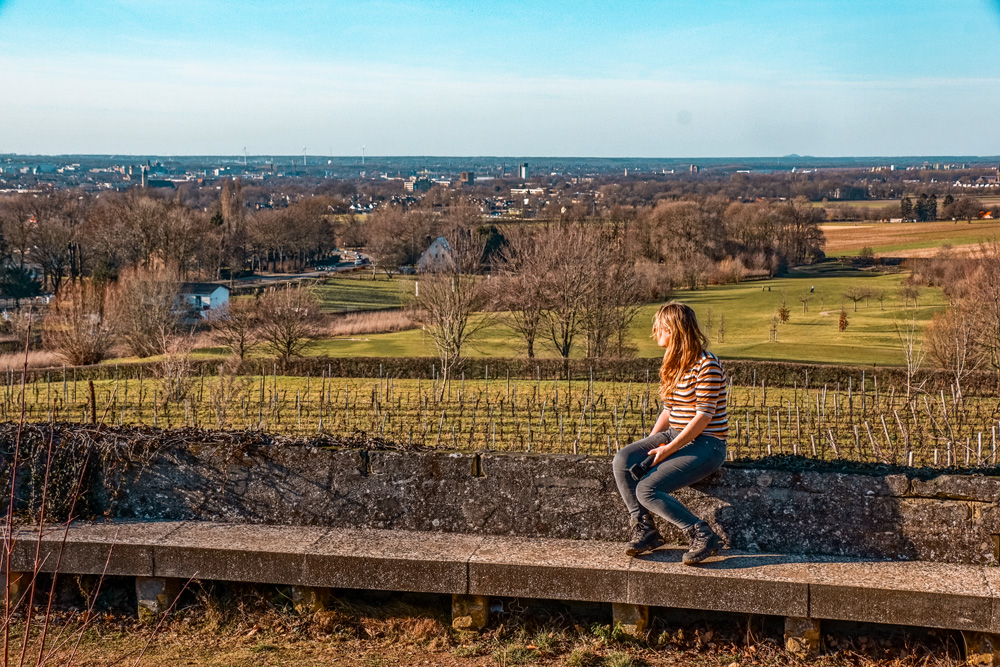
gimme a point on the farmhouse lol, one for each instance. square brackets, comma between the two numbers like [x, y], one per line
[437, 254]
[202, 298]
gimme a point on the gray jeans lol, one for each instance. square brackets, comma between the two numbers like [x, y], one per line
[694, 461]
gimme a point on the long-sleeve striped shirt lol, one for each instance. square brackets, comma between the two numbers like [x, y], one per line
[702, 389]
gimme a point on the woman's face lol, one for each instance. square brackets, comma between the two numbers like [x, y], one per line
[662, 333]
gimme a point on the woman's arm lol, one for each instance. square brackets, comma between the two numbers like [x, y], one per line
[661, 422]
[687, 434]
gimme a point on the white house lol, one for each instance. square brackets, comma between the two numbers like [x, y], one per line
[203, 297]
[436, 256]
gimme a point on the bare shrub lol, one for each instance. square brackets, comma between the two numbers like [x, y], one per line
[76, 325]
[288, 319]
[729, 270]
[175, 369]
[953, 343]
[656, 283]
[382, 321]
[143, 309]
[235, 326]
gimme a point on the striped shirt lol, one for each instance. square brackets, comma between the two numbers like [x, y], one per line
[702, 389]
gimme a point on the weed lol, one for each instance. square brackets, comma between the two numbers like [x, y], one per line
[514, 655]
[263, 647]
[620, 659]
[583, 657]
[609, 634]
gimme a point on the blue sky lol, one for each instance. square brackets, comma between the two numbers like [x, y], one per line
[667, 78]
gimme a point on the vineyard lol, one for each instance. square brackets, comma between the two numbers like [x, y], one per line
[861, 421]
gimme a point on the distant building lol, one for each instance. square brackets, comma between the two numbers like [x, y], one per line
[467, 178]
[438, 253]
[202, 298]
[417, 184]
[522, 171]
[693, 169]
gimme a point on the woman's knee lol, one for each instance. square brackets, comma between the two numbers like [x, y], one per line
[645, 492]
[620, 460]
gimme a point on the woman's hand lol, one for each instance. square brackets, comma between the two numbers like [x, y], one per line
[661, 453]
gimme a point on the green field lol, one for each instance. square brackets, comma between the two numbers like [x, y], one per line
[811, 337]
[347, 293]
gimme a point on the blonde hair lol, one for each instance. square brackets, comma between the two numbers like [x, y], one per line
[685, 345]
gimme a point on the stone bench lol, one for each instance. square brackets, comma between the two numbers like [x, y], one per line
[471, 568]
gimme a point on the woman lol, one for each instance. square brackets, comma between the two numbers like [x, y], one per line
[688, 441]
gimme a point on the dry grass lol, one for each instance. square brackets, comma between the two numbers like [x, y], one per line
[36, 359]
[355, 324]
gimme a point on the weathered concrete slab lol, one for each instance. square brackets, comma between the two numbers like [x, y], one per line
[235, 552]
[124, 546]
[934, 595]
[992, 577]
[739, 582]
[390, 560]
[550, 569]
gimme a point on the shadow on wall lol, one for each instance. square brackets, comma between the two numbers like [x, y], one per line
[832, 513]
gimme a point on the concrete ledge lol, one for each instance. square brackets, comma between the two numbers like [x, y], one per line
[550, 569]
[126, 547]
[742, 583]
[235, 552]
[914, 593]
[958, 597]
[391, 560]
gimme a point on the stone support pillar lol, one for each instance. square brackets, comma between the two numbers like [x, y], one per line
[982, 648]
[309, 600]
[470, 612]
[155, 595]
[802, 636]
[17, 586]
[633, 618]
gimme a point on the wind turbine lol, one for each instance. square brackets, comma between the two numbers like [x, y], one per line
[303, 156]
[362, 156]
[244, 156]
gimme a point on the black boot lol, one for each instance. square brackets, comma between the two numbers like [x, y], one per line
[645, 537]
[704, 543]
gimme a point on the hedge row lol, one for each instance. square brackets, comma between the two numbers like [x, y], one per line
[771, 373]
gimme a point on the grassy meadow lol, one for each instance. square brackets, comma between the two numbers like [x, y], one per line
[812, 336]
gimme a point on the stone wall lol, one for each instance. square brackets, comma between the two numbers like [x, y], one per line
[259, 479]
[946, 518]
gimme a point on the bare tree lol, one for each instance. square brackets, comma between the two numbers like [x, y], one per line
[517, 286]
[451, 297]
[76, 325]
[953, 341]
[908, 337]
[612, 302]
[879, 295]
[144, 311]
[288, 319]
[235, 326]
[568, 252]
[909, 292]
[856, 293]
[397, 237]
